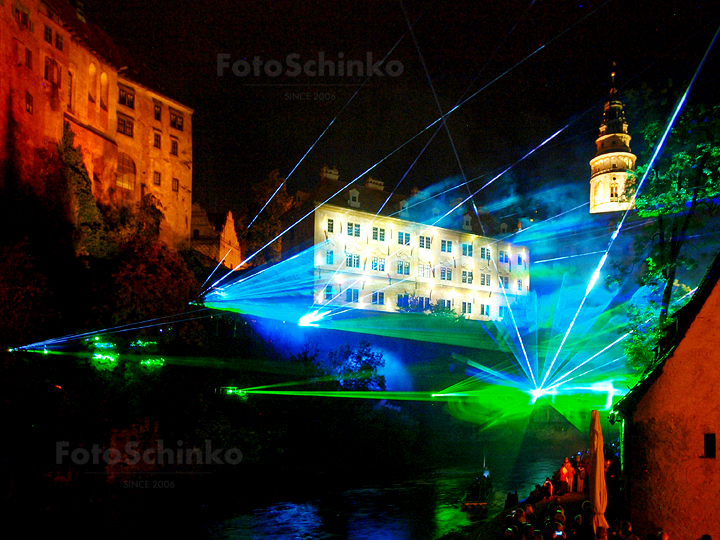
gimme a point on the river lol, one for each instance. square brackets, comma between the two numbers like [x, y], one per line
[422, 508]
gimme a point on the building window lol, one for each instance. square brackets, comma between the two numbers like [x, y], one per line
[125, 125]
[126, 96]
[424, 270]
[28, 102]
[485, 309]
[125, 171]
[501, 312]
[353, 229]
[22, 16]
[467, 308]
[404, 238]
[28, 58]
[92, 82]
[504, 257]
[614, 191]
[329, 257]
[156, 178]
[52, 71]
[445, 304]
[467, 277]
[446, 246]
[709, 444]
[175, 184]
[58, 42]
[504, 282]
[176, 120]
[378, 298]
[328, 291]
[104, 91]
[331, 225]
[519, 285]
[446, 274]
[70, 91]
[485, 253]
[173, 147]
[485, 280]
[425, 242]
[48, 34]
[403, 268]
[352, 295]
[520, 260]
[352, 261]
[158, 111]
[403, 301]
[378, 263]
[156, 141]
[378, 234]
[467, 250]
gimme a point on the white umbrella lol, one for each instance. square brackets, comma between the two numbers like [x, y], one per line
[598, 489]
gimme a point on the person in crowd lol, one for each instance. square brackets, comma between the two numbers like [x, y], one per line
[579, 474]
[626, 531]
[559, 531]
[662, 535]
[570, 475]
[548, 485]
[530, 516]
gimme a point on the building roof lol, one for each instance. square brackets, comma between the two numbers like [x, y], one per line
[419, 208]
[675, 332]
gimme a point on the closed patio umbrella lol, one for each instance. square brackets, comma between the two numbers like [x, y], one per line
[598, 489]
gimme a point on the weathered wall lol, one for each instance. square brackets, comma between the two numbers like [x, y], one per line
[673, 487]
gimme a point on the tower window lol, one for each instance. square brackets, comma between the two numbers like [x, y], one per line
[614, 191]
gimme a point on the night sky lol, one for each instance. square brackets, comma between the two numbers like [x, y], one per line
[244, 127]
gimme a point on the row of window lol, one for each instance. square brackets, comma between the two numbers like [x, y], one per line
[403, 301]
[126, 98]
[403, 267]
[425, 242]
[157, 143]
[157, 177]
[49, 38]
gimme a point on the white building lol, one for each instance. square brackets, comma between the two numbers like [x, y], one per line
[376, 257]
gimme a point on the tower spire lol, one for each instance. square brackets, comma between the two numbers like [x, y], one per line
[613, 164]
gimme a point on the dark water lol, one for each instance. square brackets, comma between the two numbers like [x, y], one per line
[421, 508]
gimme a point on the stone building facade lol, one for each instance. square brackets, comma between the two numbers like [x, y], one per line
[57, 68]
[216, 240]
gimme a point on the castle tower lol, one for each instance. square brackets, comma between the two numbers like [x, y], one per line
[613, 164]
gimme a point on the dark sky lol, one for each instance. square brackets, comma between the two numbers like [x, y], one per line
[244, 127]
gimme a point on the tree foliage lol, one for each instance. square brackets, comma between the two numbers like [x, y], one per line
[358, 369]
[681, 191]
[269, 201]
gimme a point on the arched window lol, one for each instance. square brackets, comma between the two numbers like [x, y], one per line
[92, 82]
[103, 91]
[614, 190]
[125, 171]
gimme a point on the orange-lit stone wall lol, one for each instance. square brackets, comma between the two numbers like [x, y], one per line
[50, 75]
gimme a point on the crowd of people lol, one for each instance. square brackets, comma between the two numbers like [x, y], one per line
[551, 523]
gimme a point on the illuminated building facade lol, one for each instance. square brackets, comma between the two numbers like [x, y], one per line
[613, 165]
[381, 258]
[58, 68]
[216, 240]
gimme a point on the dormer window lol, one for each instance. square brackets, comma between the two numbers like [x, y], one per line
[403, 208]
[466, 222]
[354, 200]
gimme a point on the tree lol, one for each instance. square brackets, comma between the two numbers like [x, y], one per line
[269, 201]
[358, 369]
[681, 190]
